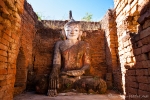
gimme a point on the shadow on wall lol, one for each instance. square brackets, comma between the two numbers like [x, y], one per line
[21, 73]
[113, 75]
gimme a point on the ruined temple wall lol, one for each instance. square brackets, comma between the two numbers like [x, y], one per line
[108, 24]
[133, 44]
[28, 31]
[10, 24]
[59, 24]
[24, 58]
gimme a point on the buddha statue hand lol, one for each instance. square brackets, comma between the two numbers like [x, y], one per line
[75, 72]
[53, 81]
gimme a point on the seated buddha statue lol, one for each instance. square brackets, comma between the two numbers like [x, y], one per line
[71, 58]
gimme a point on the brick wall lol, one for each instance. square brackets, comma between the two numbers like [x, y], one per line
[24, 58]
[10, 24]
[59, 24]
[108, 24]
[133, 46]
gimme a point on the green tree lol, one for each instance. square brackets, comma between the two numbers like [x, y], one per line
[39, 16]
[87, 17]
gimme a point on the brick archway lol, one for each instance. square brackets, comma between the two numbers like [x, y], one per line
[21, 73]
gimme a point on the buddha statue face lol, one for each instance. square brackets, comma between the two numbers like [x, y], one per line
[72, 31]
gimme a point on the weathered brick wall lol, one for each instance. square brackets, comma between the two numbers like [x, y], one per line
[138, 74]
[133, 46]
[108, 24]
[24, 58]
[10, 24]
[59, 24]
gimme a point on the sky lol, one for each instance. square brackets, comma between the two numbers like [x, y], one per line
[59, 9]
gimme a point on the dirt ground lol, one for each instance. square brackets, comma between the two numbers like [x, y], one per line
[70, 96]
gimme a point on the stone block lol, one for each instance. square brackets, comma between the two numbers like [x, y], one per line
[141, 72]
[3, 47]
[144, 93]
[146, 24]
[145, 64]
[3, 59]
[109, 84]
[137, 51]
[145, 40]
[144, 16]
[2, 77]
[142, 79]
[130, 72]
[130, 78]
[3, 53]
[139, 65]
[132, 84]
[145, 33]
[132, 90]
[3, 83]
[3, 65]
[146, 48]
[144, 87]
[11, 71]
[109, 76]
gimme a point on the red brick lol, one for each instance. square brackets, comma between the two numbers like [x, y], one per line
[145, 64]
[3, 82]
[3, 59]
[132, 90]
[144, 87]
[2, 77]
[146, 48]
[137, 51]
[3, 71]
[3, 53]
[141, 72]
[5, 42]
[130, 72]
[130, 78]
[149, 71]
[138, 65]
[143, 79]
[3, 65]
[140, 92]
[15, 36]
[145, 33]
[145, 40]
[146, 24]
[11, 81]
[11, 71]
[7, 37]
[3, 47]
[133, 84]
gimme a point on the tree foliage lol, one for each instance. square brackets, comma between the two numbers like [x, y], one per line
[39, 16]
[87, 17]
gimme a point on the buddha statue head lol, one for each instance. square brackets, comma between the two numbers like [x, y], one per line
[72, 29]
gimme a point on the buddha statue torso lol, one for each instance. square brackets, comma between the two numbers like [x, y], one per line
[72, 57]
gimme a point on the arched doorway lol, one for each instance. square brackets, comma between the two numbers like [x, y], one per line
[21, 73]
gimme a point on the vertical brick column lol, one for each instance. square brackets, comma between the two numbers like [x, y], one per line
[10, 23]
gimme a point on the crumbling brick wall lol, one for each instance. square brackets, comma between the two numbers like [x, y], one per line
[108, 24]
[10, 24]
[24, 58]
[133, 46]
